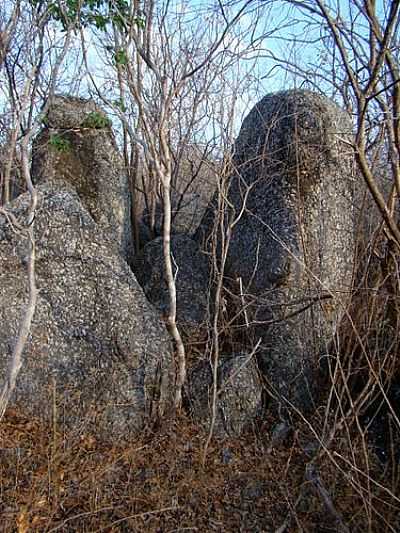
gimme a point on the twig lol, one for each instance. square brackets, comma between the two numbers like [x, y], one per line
[139, 515]
[313, 477]
[238, 370]
[25, 326]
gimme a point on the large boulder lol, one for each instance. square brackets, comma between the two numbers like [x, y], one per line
[291, 253]
[239, 394]
[192, 273]
[77, 146]
[97, 347]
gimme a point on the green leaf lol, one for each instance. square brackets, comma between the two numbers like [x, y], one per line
[96, 121]
[140, 22]
[119, 103]
[121, 57]
[100, 22]
[59, 143]
[97, 13]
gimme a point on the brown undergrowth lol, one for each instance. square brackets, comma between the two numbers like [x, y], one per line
[157, 483]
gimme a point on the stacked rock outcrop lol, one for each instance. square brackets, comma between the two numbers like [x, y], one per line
[100, 348]
[97, 349]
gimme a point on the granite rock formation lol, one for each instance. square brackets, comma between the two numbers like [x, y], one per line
[291, 252]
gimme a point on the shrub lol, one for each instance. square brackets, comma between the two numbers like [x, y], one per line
[59, 143]
[96, 121]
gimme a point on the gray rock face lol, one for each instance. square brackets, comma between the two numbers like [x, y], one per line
[77, 146]
[192, 280]
[293, 246]
[96, 343]
[239, 394]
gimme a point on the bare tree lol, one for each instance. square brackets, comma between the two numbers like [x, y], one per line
[168, 66]
[24, 68]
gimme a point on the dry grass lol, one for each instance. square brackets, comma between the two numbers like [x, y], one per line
[158, 483]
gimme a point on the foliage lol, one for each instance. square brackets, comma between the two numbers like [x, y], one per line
[95, 13]
[96, 121]
[121, 57]
[59, 143]
[120, 104]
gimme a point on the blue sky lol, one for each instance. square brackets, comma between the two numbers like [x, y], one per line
[278, 33]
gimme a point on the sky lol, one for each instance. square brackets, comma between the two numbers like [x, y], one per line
[269, 34]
